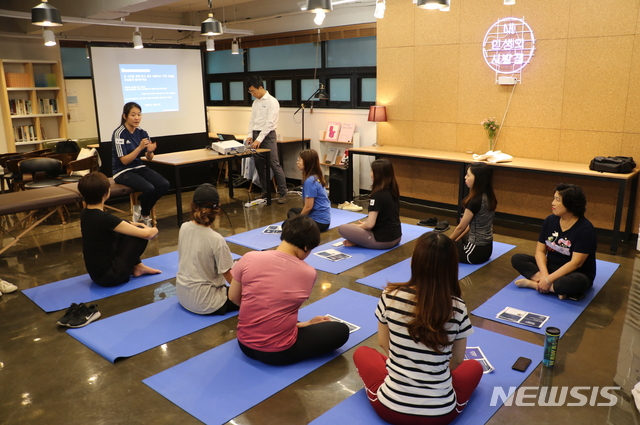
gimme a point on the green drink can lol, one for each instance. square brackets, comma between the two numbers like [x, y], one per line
[551, 337]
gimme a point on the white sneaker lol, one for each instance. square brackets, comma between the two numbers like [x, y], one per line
[351, 207]
[7, 287]
[148, 221]
[137, 214]
[342, 205]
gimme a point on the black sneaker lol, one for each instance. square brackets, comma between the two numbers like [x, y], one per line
[83, 315]
[67, 315]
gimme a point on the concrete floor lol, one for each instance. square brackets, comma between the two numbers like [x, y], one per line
[47, 377]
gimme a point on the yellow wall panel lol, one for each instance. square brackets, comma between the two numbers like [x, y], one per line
[398, 133]
[397, 27]
[632, 116]
[597, 83]
[436, 27]
[528, 142]
[395, 82]
[582, 146]
[597, 18]
[434, 136]
[436, 84]
[537, 102]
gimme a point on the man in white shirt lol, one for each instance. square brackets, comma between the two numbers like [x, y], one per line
[262, 134]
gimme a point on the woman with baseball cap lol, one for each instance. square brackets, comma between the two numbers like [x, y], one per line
[205, 260]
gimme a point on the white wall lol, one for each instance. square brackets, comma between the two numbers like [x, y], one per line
[24, 49]
[234, 120]
[82, 124]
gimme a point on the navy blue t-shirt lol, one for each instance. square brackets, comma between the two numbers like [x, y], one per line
[581, 237]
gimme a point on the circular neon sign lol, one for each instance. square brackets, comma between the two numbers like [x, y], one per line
[508, 46]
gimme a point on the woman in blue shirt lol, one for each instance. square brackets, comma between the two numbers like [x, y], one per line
[316, 204]
[129, 144]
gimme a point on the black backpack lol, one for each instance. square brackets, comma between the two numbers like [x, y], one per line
[613, 164]
[67, 146]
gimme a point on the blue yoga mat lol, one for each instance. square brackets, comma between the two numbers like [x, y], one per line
[502, 351]
[80, 289]
[562, 313]
[220, 384]
[259, 241]
[401, 272]
[358, 254]
[143, 328]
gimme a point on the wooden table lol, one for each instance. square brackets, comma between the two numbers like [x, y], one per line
[568, 169]
[185, 159]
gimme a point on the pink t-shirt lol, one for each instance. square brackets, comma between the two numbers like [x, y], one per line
[274, 286]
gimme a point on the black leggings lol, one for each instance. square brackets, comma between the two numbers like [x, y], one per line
[312, 341]
[227, 306]
[572, 285]
[130, 249]
[473, 254]
[296, 211]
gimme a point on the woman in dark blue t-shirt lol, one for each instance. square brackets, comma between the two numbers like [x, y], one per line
[565, 258]
[129, 144]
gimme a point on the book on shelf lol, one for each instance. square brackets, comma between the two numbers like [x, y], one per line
[346, 132]
[340, 157]
[20, 107]
[43, 133]
[333, 130]
[48, 106]
[330, 157]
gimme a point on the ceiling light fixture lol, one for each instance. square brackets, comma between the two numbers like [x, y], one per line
[320, 8]
[432, 4]
[210, 46]
[137, 39]
[49, 37]
[235, 47]
[210, 26]
[381, 5]
[45, 15]
[509, 2]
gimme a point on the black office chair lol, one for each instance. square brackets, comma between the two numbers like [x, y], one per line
[43, 170]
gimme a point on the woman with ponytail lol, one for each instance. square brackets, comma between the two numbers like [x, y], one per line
[205, 260]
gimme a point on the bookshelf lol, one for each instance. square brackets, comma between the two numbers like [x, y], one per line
[33, 102]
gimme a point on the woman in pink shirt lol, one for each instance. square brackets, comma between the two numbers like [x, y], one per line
[270, 287]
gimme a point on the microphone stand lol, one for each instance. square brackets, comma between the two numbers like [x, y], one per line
[302, 106]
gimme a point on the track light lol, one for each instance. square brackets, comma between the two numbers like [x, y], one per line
[320, 8]
[432, 4]
[319, 19]
[210, 26]
[235, 47]
[49, 37]
[137, 39]
[509, 2]
[210, 46]
[381, 5]
[45, 15]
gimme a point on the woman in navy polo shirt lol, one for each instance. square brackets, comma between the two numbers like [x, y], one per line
[130, 143]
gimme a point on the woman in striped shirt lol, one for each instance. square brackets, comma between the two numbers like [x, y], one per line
[423, 328]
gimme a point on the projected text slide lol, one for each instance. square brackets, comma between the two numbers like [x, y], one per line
[154, 87]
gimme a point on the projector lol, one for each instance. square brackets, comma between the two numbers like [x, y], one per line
[229, 147]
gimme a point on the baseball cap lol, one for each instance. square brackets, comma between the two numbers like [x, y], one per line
[206, 193]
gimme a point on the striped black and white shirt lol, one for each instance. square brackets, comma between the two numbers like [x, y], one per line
[419, 379]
